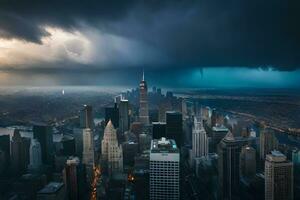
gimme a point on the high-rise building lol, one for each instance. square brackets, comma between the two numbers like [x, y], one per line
[2, 162]
[86, 117]
[278, 177]
[248, 162]
[267, 141]
[200, 139]
[74, 178]
[158, 130]
[164, 169]
[217, 134]
[112, 113]
[19, 153]
[112, 152]
[174, 126]
[144, 112]
[5, 147]
[124, 115]
[35, 155]
[229, 166]
[43, 133]
[78, 136]
[88, 153]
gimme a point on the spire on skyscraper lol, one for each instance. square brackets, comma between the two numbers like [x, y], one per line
[143, 75]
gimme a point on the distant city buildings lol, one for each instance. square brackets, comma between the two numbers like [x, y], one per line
[279, 182]
[164, 169]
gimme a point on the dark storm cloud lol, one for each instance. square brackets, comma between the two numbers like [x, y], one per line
[190, 33]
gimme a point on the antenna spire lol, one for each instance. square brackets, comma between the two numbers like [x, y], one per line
[143, 75]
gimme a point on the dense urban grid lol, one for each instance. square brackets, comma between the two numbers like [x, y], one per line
[149, 145]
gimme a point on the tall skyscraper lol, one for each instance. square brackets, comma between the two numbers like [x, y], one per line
[124, 115]
[43, 133]
[112, 152]
[267, 141]
[174, 127]
[158, 130]
[200, 139]
[35, 152]
[86, 117]
[144, 112]
[279, 183]
[74, 178]
[5, 147]
[164, 169]
[78, 136]
[88, 152]
[229, 166]
[248, 162]
[112, 113]
[19, 153]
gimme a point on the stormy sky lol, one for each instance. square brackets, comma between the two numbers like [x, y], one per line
[178, 43]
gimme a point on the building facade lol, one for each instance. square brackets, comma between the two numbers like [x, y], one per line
[164, 170]
[112, 152]
[174, 126]
[279, 183]
[35, 155]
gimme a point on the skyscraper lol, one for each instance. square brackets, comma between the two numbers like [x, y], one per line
[88, 152]
[174, 126]
[35, 152]
[158, 130]
[248, 162]
[278, 177]
[86, 117]
[229, 166]
[144, 113]
[74, 178]
[43, 133]
[111, 150]
[124, 115]
[112, 113]
[19, 153]
[5, 147]
[267, 141]
[164, 169]
[200, 139]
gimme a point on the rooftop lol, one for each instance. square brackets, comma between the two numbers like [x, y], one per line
[220, 128]
[52, 187]
[276, 156]
[164, 145]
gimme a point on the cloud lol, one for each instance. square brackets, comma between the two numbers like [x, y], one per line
[133, 33]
